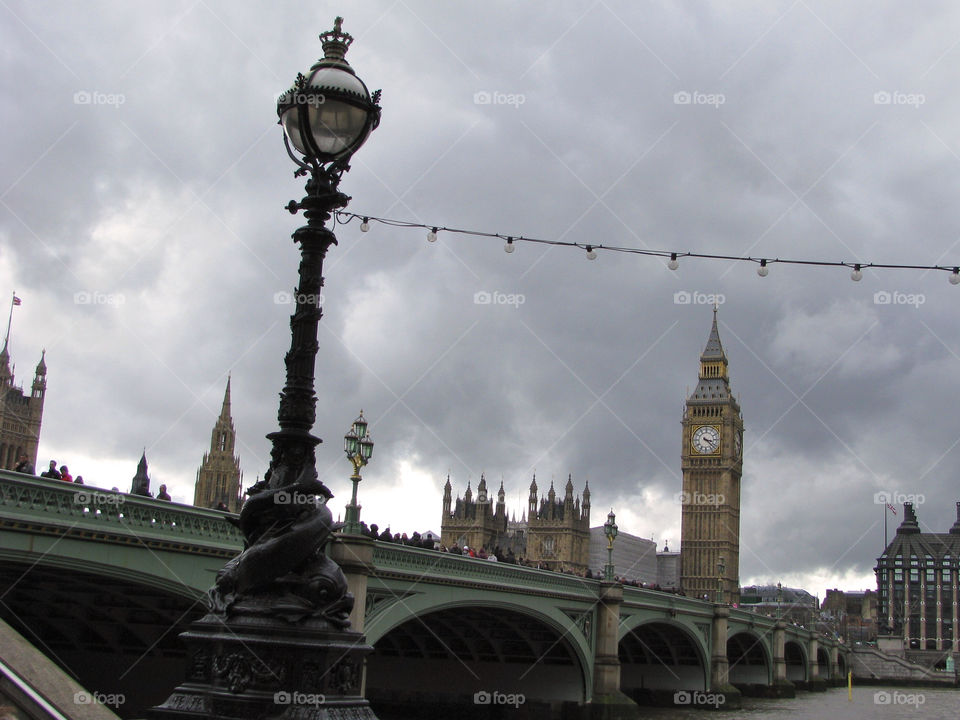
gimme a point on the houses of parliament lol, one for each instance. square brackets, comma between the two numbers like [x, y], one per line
[553, 531]
[554, 534]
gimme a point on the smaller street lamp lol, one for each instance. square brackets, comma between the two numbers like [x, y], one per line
[610, 530]
[359, 448]
[721, 569]
[779, 598]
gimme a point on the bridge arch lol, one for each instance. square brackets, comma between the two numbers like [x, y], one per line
[749, 658]
[823, 663]
[795, 655]
[156, 576]
[661, 654]
[425, 646]
[116, 633]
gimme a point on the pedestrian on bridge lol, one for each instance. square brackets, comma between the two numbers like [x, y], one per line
[24, 466]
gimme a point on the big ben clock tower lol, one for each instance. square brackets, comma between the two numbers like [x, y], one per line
[712, 462]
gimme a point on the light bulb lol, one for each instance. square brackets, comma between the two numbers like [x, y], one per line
[856, 275]
[674, 263]
[955, 277]
[432, 235]
[763, 270]
[591, 253]
[365, 225]
[509, 247]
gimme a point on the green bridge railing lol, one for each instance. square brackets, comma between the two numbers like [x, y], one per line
[38, 504]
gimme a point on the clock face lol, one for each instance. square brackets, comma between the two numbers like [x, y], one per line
[706, 439]
[738, 444]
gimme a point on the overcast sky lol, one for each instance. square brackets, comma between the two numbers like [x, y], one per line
[142, 224]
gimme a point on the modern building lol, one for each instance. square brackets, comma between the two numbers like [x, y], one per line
[20, 413]
[851, 614]
[712, 463]
[917, 586]
[794, 605]
[634, 558]
[668, 569]
[219, 477]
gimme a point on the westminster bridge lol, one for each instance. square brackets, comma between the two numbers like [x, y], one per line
[103, 583]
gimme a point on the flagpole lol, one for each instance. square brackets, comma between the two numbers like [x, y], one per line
[6, 338]
[884, 526]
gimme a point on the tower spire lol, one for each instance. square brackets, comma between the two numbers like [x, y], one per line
[225, 410]
[219, 478]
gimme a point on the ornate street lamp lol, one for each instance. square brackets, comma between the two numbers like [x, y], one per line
[721, 569]
[358, 445]
[610, 530]
[278, 623]
[779, 598]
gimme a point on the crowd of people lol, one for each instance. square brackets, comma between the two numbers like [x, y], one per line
[496, 555]
[62, 473]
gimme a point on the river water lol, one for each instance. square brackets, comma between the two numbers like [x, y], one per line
[869, 703]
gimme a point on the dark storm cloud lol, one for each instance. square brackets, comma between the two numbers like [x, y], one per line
[795, 130]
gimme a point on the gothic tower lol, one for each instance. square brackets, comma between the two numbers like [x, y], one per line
[219, 477]
[712, 462]
[20, 414]
[558, 531]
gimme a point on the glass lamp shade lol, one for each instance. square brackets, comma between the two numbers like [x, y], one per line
[329, 113]
[360, 427]
[350, 443]
[366, 448]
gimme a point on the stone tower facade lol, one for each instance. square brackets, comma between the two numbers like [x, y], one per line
[712, 463]
[474, 523]
[20, 413]
[558, 531]
[219, 477]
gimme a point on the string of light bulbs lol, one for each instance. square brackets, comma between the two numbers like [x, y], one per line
[672, 257]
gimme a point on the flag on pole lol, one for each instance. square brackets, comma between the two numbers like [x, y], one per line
[891, 508]
[16, 300]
